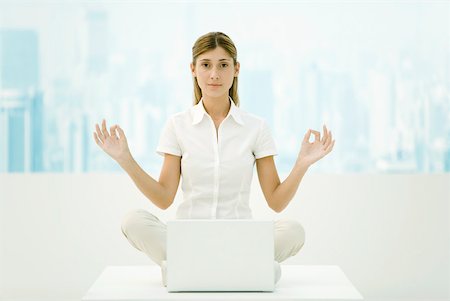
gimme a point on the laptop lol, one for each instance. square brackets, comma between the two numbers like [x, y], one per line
[220, 255]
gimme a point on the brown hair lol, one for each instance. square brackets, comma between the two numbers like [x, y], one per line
[208, 42]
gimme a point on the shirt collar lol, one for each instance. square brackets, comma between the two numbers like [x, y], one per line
[199, 111]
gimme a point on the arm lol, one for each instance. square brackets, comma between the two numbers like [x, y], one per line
[278, 195]
[162, 192]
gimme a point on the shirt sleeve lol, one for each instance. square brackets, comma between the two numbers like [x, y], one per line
[265, 145]
[168, 142]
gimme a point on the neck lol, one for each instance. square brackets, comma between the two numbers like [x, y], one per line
[217, 107]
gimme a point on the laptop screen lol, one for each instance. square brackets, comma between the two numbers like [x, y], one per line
[220, 255]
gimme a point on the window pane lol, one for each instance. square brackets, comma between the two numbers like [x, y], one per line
[377, 74]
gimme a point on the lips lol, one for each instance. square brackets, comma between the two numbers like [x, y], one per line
[214, 85]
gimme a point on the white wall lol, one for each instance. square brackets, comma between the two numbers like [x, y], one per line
[390, 234]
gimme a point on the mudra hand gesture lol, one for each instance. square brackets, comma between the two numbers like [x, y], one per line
[114, 143]
[312, 152]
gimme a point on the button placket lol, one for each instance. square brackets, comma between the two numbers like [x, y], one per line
[216, 168]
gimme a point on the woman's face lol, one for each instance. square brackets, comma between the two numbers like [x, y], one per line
[215, 72]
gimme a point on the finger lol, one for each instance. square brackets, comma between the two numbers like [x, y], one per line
[307, 135]
[121, 133]
[328, 141]
[99, 133]
[104, 130]
[316, 135]
[325, 135]
[330, 147]
[96, 139]
[113, 132]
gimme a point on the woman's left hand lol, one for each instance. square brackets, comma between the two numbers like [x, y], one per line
[312, 152]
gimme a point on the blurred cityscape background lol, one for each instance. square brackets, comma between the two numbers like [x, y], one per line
[376, 73]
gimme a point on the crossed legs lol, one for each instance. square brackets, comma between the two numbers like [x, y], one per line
[147, 233]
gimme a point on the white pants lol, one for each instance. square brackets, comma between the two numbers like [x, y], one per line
[147, 234]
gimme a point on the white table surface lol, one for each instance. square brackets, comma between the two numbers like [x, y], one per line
[298, 282]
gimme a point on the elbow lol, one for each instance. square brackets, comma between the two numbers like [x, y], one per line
[167, 204]
[164, 207]
[164, 204]
[275, 208]
[278, 206]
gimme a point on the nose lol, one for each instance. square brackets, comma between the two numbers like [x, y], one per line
[214, 74]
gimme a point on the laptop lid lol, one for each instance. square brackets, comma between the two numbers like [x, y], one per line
[220, 255]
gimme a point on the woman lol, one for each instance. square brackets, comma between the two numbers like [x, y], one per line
[214, 146]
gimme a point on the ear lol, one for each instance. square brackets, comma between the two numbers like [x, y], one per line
[192, 69]
[236, 69]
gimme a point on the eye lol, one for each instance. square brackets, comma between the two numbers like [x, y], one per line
[225, 65]
[204, 64]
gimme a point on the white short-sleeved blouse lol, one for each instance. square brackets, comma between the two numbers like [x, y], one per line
[216, 170]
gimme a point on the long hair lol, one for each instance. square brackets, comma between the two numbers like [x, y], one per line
[208, 42]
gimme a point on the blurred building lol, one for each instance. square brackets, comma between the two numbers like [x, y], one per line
[21, 102]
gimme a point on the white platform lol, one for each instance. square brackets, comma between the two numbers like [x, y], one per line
[298, 282]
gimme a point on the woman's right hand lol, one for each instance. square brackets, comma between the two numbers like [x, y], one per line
[114, 145]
